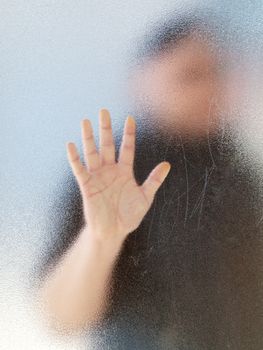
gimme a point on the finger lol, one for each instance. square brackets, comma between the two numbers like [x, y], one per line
[127, 149]
[107, 146]
[155, 180]
[79, 170]
[91, 155]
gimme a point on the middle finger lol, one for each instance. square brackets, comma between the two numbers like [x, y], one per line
[107, 146]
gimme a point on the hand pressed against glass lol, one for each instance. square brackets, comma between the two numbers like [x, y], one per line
[114, 204]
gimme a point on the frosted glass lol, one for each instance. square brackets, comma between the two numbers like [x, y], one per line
[190, 73]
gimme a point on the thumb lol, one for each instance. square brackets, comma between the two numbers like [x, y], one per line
[155, 180]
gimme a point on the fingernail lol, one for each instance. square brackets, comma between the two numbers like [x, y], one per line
[167, 166]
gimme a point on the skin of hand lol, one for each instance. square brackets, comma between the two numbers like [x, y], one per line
[114, 204]
[76, 293]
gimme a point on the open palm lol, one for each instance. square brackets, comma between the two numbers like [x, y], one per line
[113, 202]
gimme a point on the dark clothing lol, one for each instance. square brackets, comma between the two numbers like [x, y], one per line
[190, 276]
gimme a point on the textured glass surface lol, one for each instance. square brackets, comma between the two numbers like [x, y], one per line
[190, 276]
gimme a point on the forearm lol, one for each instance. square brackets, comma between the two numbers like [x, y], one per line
[75, 293]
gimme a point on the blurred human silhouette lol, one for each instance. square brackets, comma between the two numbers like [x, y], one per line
[189, 276]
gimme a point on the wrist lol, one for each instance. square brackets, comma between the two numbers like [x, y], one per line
[110, 241]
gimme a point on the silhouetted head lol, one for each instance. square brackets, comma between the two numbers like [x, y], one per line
[181, 77]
